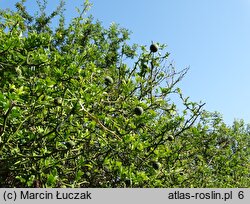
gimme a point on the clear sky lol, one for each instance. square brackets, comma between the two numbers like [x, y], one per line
[210, 36]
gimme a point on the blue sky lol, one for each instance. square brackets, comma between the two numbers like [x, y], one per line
[210, 36]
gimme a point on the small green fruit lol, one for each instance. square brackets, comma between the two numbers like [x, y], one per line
[58, 101]
[70, 144]
[155, 165]
[108, 80]
[153, 48]
[170, 138]
[138, 110]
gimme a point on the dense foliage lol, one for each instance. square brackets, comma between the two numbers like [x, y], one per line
[80, 107]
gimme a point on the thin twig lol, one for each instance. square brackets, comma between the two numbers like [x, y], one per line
[99, 122]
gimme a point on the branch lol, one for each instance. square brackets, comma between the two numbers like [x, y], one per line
[99, 122]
